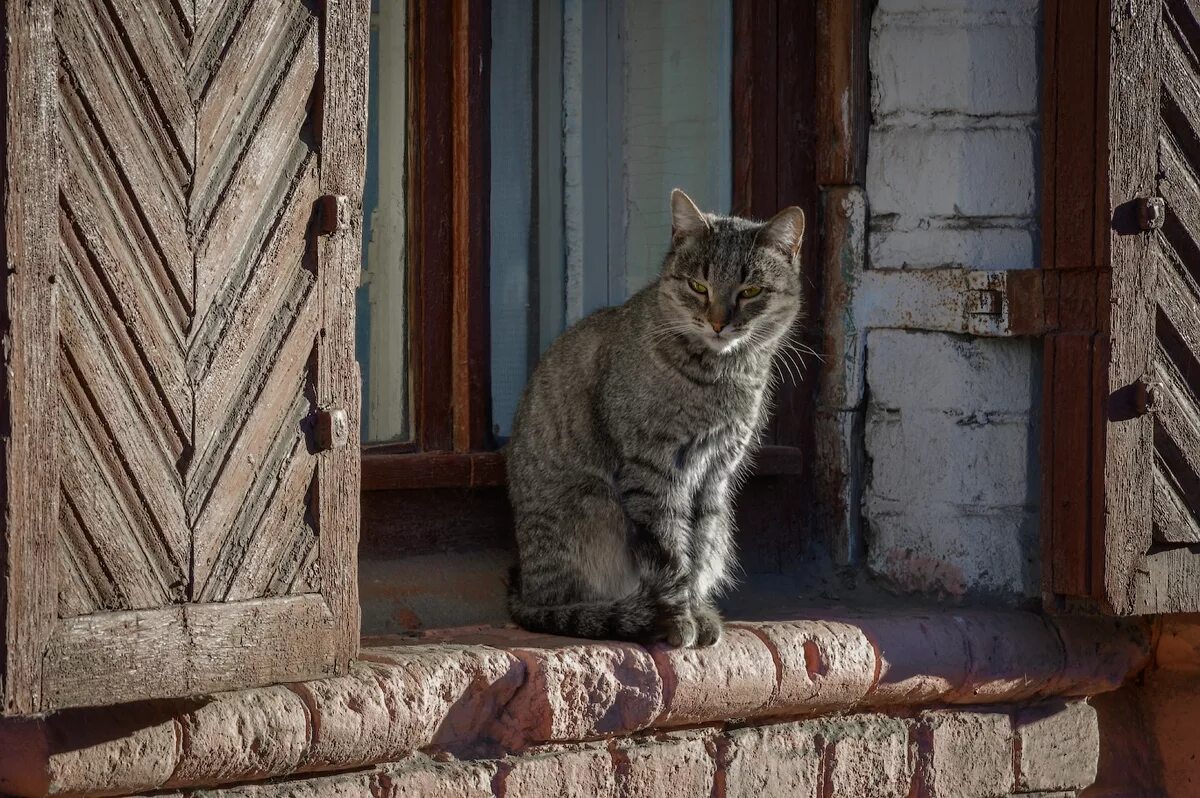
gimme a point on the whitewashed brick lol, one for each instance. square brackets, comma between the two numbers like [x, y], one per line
[950, 549]
[934, 243]
[970, 459]
[918, 171]
[936, 371]
[971, 69]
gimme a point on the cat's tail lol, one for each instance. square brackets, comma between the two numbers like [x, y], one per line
[637, 617]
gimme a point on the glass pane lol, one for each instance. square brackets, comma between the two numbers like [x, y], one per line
[512, 246]
[598, 111]
[382, 303]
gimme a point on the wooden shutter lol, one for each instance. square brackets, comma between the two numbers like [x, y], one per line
[1122, 369]
[178, 319]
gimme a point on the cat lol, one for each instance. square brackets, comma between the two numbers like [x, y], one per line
[634, 432]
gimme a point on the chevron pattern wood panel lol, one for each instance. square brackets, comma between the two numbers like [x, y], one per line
[1175, 356]
[190, 307]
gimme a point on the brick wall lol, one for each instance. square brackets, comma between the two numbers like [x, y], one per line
[1044, 750]
[951, 497]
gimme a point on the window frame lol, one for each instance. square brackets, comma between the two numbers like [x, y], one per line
[774, 99]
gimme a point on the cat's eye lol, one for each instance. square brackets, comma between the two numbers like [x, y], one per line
[751, 292]
[698, 287]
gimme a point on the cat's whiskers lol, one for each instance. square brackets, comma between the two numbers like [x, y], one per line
[657, 334]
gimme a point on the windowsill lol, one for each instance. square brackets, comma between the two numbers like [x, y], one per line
[389, 470]
[487, 691]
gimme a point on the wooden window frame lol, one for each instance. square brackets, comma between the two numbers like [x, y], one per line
[774, 98]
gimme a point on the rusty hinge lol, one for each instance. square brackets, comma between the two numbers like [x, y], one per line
[333, 214]
[332, 428]
[1151, 212]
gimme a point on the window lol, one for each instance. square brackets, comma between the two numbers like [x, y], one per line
[540, 142]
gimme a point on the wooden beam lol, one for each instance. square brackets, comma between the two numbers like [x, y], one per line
[29, 491]
[842, 95]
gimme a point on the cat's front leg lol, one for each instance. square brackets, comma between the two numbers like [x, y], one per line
[659, 514]
[712, 560]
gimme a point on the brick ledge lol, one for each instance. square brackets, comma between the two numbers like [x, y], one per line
[486, 692]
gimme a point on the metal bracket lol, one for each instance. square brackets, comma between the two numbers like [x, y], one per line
[993, 304]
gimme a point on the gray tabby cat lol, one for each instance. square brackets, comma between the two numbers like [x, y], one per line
[633, 433]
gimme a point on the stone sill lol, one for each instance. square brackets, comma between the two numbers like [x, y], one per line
[486, 692]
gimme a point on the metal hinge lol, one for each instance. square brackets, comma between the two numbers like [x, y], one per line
[975, 302]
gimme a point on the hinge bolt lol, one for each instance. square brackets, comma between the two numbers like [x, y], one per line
[333, 214]
[1152, 211]
[1147, 396]
[332, 429]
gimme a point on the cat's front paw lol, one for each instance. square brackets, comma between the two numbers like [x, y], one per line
[709, 627]
[680, 630]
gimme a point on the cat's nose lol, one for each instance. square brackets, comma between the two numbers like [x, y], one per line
[718, 326]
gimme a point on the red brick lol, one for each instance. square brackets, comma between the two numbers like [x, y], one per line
[1101, 653]
[1058, 746]
[867, 755]
[921, 657]
[581, 691]
[781, 761]
[453, 780]
[584, 773]
[407, 698]
[251, 734]
[823, 664]
[1013, 657]
[965, 754]
[109, 750]
[679, 766]
[733, 679]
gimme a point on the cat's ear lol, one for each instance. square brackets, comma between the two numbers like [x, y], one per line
[687, 221]
[785, 231]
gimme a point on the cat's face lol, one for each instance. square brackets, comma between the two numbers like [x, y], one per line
[730, 283]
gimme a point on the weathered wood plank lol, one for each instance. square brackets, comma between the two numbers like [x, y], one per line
[1069, 441]
[1174, 522]
[471, 350]
[1179, 186]
[116, 101]
[283, 536]
[95, 389]
[343, 102]
[145, 565]
[430, 184]
[157, 39]
[277, 412]
[1177, 429]
[189, 649]
[1133, 134]
[1167, 580]
[128, 274]
[237, 208]
[1077, 149]
[28, 377]
[842, 99]
[253, 67]
[228, 360]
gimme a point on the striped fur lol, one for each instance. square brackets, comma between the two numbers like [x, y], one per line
[634, 431]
